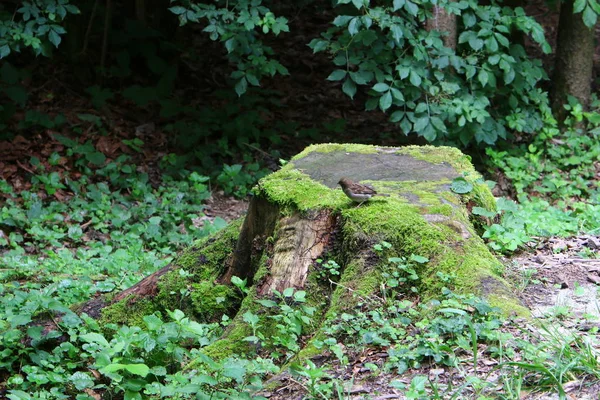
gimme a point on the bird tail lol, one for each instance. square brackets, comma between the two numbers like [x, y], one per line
[382, 194]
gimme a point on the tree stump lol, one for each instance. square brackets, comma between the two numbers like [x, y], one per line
[298, 215]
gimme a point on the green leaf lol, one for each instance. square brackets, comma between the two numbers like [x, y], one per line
[96, 158]
[469, 19]
[411, 8]
[501, 39]
[349, 88]
[360, 78]
[235, 370]
[397, 116]
[241, 86]
[94, 338]
[483, 212]
[381, 87]
[403, 71]
[337, 75]
[475, 43]
[81, 380]
[578, 6]
[358, 4]
[318, 45]
[398, 4]
[589, 17]
[415, 79]
[177, 10]
[491, 44]
[461, 186]
[4, 51]
[385, 101]
[397, 94]
[406, 126]
[354, 26]
[137, 369]
[252, 79]
[419, 259]
[421, 123]
[342, 20]
[397, 33]
[54, 38]
[482, 77]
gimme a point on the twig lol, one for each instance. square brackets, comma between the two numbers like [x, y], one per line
[354, 291]
[107, 15]
[88, 31]
[25, 168]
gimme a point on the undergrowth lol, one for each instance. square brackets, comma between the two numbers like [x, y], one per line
[554, 179]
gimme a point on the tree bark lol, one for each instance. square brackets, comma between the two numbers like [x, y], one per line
[574, 61]
[443, 22]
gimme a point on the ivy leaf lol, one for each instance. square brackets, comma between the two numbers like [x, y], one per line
[137, 369]
[491, 44]
[385, 101]
[461, 186]
[406, 126]
[349, 87]
[501, 39]
[411, 7]
[398, 4]
[54, 38]
[397, 116]
[578, 6]
[483, 212]
[396, 32]
[360, 77]
[354, 26]
[469, 20]
[397, 94]
[421, 123]
[241, 86]
[403, 71]
[509, 76]
[337, 75]
[177, 10]
[475, 43]
[589, 17]
[358, 4]
[483, 77]
[415, 79]
[381, 87]
[4, 51]
[318, 45]
[342, 20]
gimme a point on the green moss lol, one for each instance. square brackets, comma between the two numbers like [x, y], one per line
[211, 301]
[128, 312]
[439, 154]
[290, 187]
[205, 259]
[331, 147]
[444, 209]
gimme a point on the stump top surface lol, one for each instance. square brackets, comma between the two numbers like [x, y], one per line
[377, 164]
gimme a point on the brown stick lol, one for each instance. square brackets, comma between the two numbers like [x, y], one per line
[107, 18]
[88, 31]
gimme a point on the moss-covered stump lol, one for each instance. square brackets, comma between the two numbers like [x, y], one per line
[299, 215]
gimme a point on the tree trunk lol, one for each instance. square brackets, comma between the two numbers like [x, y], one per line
[443, 22]
[574, 60]
[298, 215]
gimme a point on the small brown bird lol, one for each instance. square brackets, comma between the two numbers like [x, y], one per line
[357, 192]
